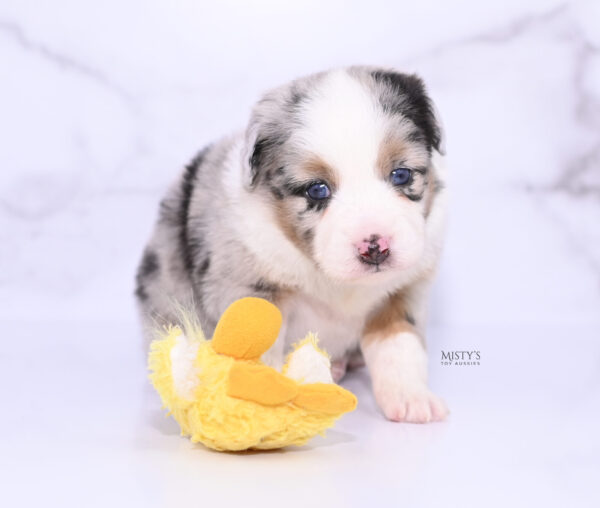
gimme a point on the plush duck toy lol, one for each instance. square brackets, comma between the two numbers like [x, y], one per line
[223, 396]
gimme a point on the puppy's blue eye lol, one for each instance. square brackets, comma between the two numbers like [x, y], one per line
[318, 191]
[400, 176]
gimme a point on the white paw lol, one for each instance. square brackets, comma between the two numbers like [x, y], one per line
[338, 369]
[415, 405]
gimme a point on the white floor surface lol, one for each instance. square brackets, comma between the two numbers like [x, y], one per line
[82, 427]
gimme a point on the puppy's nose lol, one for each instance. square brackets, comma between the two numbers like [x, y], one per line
[374, 250]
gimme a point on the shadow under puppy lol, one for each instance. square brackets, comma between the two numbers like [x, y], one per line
[331, 205]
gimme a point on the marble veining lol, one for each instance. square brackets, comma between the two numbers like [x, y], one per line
[99, 125]
[65, 62]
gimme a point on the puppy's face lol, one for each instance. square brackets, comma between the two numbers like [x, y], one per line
[345, 160]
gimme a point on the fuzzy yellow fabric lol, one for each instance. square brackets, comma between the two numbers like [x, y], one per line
[310, 339]
[223, 422]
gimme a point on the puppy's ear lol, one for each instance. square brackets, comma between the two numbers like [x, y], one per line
[261, 152]
[252, 152]
[266, 135]
[405, 94]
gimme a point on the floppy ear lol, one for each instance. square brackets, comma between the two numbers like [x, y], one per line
[259, 139]
[263, 143]
[268, 130]
[251, 152]
[407, 96]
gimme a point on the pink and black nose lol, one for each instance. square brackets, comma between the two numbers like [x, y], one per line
[374, 250]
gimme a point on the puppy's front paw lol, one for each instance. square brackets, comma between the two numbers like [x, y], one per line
[338, 369]
[413, 405]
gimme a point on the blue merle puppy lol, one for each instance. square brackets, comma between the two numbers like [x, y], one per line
[331, 205]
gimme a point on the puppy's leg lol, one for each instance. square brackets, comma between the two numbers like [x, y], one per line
[275, 356]
[396, 357]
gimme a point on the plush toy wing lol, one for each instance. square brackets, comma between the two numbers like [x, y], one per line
[326, 398]
[261, 384]
[309, 365]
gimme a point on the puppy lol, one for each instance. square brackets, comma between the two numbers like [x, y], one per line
[330, 205]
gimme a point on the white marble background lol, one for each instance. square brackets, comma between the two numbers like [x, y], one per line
[101, 103]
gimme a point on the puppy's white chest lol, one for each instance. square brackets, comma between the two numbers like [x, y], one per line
[338, 327]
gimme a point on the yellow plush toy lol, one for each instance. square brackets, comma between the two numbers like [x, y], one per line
[223, 396]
